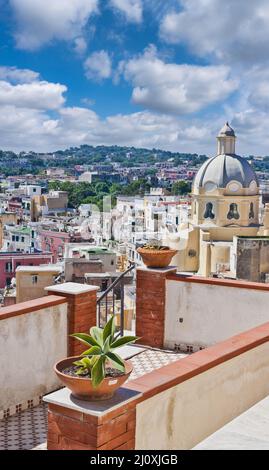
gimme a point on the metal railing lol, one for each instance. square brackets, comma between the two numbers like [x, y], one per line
[112, 299]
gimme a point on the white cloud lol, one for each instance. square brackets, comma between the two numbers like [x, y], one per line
[175, 88]
[132, 9]
[257, 88]
[80, 45]
[230, 31]
[27, 123]
[35, 95]
[39, 22]
[15, 75]
[25, 129]
[98, 66]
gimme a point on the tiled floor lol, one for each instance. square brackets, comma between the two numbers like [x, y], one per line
[25, 430]
[28, 429]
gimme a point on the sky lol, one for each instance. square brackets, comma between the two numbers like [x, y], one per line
[144, 73]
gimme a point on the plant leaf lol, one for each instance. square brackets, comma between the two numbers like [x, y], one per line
[123, 340]
[109, 329]
[78, 363]
[86, 362]
[117, 361]
[93, 351]
[98, 372]
[106, 346]
[97, 334]
[85, 339]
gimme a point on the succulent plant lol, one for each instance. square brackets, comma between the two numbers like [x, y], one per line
[155, 245]
[103, 343]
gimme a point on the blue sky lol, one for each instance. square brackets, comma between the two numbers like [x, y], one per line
[133, 72]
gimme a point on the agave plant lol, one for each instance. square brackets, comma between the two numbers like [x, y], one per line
[103, 343]
[155, 244]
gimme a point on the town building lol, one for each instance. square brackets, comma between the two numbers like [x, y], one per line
[81, 259]
[9, 262]
[31, 281]
[56, 202]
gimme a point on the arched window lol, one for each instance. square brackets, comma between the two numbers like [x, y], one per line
[251, 211]
[209, 214]
[233, 212]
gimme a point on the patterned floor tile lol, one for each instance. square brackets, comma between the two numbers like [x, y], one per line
[28, 429]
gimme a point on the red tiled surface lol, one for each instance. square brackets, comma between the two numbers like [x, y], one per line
[31, 306]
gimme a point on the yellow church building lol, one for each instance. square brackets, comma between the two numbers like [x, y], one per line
[225, 209]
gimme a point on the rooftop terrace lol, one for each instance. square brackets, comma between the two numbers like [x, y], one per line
[172, 400]
[27, 429]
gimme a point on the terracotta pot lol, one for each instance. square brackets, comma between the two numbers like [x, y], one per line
[81, 387]
[156, 258]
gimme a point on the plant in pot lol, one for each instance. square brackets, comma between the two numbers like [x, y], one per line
[156, 255]
[99, 371]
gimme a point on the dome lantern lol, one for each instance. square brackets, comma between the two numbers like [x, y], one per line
[226, 140]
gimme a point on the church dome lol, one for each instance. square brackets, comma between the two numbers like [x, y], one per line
[221, 170]
[226, 170]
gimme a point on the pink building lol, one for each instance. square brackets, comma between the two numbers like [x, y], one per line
[54, 242]
[10, 261]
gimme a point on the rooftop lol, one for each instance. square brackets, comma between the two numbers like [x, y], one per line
[40, 269]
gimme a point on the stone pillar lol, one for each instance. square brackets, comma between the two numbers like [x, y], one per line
[82, 309]
[78, 425]
[150, 305]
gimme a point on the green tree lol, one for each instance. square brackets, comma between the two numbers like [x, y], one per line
[180, 188]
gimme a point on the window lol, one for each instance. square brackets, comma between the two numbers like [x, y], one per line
[251, 211]
[209, 214]
[17, 238]
[9, 267]
[13, 238]
[233, 212]
[22, 239]
[34, 279]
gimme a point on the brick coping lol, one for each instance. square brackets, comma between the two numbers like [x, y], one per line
[184, 369]
[218, 282]
[31, 306]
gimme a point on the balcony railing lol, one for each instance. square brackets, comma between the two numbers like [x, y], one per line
[111, 302]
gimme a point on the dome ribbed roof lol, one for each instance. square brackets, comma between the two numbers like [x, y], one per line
[223, 169]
